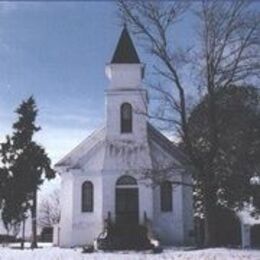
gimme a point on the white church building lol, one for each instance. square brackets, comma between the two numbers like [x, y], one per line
[127, 170]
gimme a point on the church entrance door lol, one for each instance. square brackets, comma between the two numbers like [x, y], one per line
[127, 201]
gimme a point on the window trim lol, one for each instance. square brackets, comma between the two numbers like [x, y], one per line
[85, 208]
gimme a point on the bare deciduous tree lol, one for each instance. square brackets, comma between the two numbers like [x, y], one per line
[226, 53]
[49, 210]
[230, 41]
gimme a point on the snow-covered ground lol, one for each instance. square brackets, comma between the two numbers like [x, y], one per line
[54, 253]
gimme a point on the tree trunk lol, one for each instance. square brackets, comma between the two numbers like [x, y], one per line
[34, 221]
[23, 234]
[210, 201]
[210, 228]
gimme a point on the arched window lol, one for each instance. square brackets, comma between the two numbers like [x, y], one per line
[166, 196]
[126, 180]
[126, 118]
[87, 197]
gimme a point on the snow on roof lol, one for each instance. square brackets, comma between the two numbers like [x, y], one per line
[86, 145]
[85, 148]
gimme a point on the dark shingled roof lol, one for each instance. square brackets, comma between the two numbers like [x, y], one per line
[125, 51]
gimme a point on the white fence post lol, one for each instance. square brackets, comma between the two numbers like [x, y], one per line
[245, 232]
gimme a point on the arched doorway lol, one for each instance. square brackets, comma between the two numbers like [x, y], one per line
[127, 202]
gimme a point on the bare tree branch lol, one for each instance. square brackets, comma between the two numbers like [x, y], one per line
[227, 52]
[49, 210]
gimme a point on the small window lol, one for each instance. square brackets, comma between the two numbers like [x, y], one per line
[166, 196]
[87, 196]
[126, 118]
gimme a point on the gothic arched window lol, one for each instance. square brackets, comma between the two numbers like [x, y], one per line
[126, 118]
[87, 197]
[166, 196]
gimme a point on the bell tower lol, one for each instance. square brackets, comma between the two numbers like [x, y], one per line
[126, 98]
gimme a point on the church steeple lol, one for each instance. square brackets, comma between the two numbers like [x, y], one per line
[125, 94]
[125, 51]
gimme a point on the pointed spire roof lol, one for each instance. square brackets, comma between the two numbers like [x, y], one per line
[125, 51]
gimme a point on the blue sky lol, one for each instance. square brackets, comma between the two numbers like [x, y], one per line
[57, 53]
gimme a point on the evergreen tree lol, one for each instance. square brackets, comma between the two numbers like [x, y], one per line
[237, 158]
[27, 165]
[13, 197]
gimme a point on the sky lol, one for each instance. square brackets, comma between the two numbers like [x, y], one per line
[57, 52]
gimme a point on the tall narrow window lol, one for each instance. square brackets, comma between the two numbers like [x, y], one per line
[126, 118]
[87, 196]
[166, 196]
